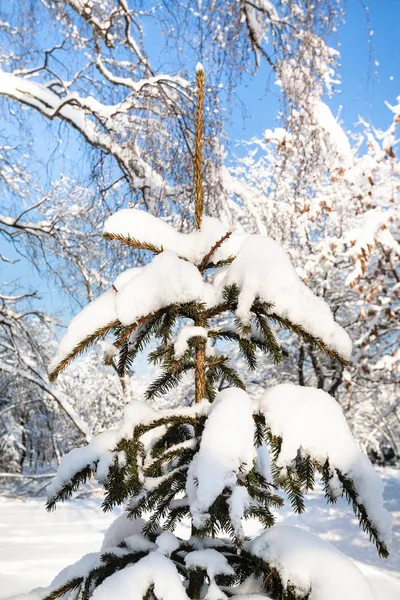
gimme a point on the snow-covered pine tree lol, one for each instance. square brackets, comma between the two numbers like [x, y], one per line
[223, 457]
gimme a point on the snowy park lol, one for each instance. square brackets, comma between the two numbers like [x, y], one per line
[200, 300]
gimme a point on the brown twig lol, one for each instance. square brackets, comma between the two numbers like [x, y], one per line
[217, 245]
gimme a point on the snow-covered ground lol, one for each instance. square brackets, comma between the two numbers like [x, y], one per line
[36, 545]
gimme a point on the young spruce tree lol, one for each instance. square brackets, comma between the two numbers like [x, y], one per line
[224, 457]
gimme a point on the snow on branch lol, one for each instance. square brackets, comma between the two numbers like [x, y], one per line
[227, 447]
[309, 566]
[92, 323]
[97, 455]
[132, 224]
[262, 270]
[166, 280]
[32, 372]
[133, 582]
[97, 122]
[310, 421]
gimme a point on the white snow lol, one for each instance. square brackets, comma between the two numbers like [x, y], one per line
[187, 332]
[31, 554]
[100, 447]
[126, 276]
[226, 445]
[79, 569]
[166, 280]
[138, 543]
[311, 420]
[335, 136]
[144, 227]
[210, 560]
[214, 563]
[238, 503]
[133, 581]
[120, 529]
[96, 315]
[263, 464]
[263, 270]
[310, 564]
[167, 543]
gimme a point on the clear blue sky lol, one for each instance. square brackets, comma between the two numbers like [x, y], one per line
[369, 43]
[370, 72]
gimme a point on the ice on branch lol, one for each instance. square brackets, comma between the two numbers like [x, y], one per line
[263, 270]
[138, 225]
[310, 420]
[227, 446]
[134, 581]
[311, 565]
[95, 316]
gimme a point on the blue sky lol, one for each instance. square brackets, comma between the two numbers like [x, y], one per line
[369, 44]
[370, 73]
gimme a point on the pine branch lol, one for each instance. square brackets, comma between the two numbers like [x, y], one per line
[143, 332]
[82, 346]
[308, 337]
[304, 467]
[327, 474]
[167, 381]
[204, 263]
[111, 564]
[294, 489]
[175, 434]
[361, 513]
[74, 584]
[125, 332]
[265, 309]
[67, 489]
[133, 242]
[220, 263]
[271, 342]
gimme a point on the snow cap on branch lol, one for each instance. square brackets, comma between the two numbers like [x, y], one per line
[96, 315]
[166, 280]
[311, 565]
[133, 224]
[227, 445]
[134, 581]
[263, 270]
[312, 421]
